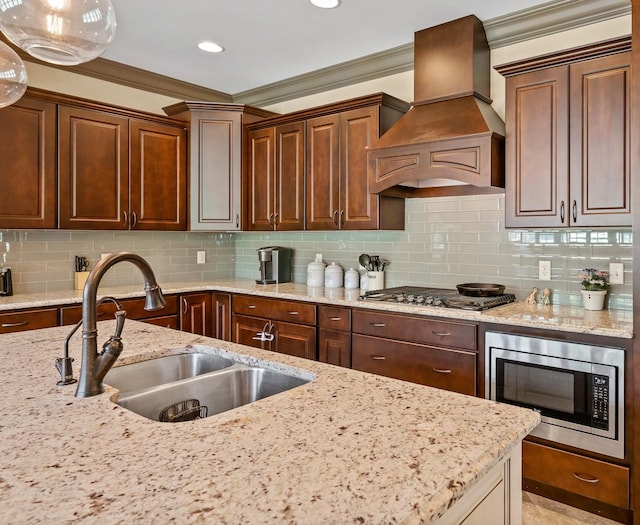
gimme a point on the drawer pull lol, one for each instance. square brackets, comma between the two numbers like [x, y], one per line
[585, 477]
[335, 318]
[293, 313]
[13, 325]
[251, 306]
[442, 370]
[378, 357]
[378, 325]
[441, 334]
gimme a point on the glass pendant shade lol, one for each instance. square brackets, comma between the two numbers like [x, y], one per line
[13, 76]
[63, 32]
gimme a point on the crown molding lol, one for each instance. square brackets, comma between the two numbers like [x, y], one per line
[545, 19]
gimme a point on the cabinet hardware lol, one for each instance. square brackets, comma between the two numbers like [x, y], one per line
[335, 217]
[134, 220]
[562, 212]
[575, 211]
[441, 334]
[251, 306]
[237, 220]
[185, 306]
[442, 370]
[12, 325]
[378, 325]
[335, 318]
[378, 357]
[585, 477]
[126, 218]
[293, 313]
[341, 216]
[271, 219]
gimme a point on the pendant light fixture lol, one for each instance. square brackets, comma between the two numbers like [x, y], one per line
[13, 76]
[62, 32]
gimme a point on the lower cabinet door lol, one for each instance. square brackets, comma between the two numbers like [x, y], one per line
[251, 331]
[334, 347]
[453, 370]
[195, 314]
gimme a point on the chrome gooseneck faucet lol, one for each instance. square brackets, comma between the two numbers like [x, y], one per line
[96, 365]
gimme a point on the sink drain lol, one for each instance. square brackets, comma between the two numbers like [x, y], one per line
[186, 410]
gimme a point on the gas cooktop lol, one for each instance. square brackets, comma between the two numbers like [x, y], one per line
[440, 297]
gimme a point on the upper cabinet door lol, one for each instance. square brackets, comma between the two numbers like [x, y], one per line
[600, 157]
[260, 180]
[358, 207]
[93, 169]
[28, 175]
[290, 176]
[158, 183]
[323, 173]
[537, 155]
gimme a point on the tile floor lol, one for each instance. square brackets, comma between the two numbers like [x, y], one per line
[537, 510]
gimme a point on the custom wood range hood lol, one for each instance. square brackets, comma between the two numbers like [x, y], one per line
[451, 142]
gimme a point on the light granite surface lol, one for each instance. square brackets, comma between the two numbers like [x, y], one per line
[347, 447]
[613, 323]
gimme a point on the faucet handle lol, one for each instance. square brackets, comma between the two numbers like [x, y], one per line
[120, 318]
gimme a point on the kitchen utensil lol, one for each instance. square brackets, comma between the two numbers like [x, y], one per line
[480, 289]
[365, 261]
[375, 263]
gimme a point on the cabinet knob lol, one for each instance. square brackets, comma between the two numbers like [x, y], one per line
[585, 477]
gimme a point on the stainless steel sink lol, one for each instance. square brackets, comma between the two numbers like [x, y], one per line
[208, 394]
[162, 370]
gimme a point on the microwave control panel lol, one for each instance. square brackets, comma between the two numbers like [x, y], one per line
[600, 417]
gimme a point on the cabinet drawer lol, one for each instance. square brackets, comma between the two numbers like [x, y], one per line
[28, 320]
[134, 308]
[453, 370]
[274, 309]
[587, 477]
[450, 334]
[334, 318]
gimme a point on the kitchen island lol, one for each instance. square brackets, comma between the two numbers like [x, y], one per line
[347, 447]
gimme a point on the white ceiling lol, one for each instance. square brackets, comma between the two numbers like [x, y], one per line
[268, 41]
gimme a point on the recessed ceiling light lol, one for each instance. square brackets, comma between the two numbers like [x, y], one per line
[210, 47]
[326, 4]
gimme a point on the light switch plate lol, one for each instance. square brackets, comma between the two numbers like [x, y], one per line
[544, 270]
[201, 257]
[616, 273]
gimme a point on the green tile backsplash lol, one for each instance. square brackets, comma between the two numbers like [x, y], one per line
[446, 241]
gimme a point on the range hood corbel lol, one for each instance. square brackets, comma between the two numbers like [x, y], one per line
[451, 142]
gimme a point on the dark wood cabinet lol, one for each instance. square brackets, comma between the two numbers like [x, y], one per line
[120, 173]
[275, 178]
[334, 335]
[287, 327]
[196, 314]
[158, 176]
[28, 175]
[567, 144]
[32, 319]
[432, 352]
[221, 302]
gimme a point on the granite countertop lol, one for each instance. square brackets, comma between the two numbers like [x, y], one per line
[613, 323]
[348, 447]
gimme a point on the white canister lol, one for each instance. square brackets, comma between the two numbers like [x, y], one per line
[376, 281]
[315, 274]
[333, 276]
[351, 278]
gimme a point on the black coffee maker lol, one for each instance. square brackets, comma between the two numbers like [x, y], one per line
[6, 285]
[275, 265]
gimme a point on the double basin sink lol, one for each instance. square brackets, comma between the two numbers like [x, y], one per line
[189, 386]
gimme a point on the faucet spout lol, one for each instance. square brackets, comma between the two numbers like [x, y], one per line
[95, 366]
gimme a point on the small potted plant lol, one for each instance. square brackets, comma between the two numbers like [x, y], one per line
[595, 285]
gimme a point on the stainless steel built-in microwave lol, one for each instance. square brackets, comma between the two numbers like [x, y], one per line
[577, 388]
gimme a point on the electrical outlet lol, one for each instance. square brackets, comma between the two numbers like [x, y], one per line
[544, 270]
[616, 273]
[201, 257]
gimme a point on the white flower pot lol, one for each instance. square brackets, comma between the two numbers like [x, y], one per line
[593, 300]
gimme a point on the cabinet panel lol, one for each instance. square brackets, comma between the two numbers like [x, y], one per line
[323, 172]
[275, 309]
[358, 207]
[588, 477]
[134, 308]
[195, 314]
[93, 169]
[441, 368]
[537, 151]
[334, 318]
[28, 153]
[334, 347]
[290, 174]
[600, 156]
[158, 184]
[221, 315]
[28, 320]
[261, 179]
